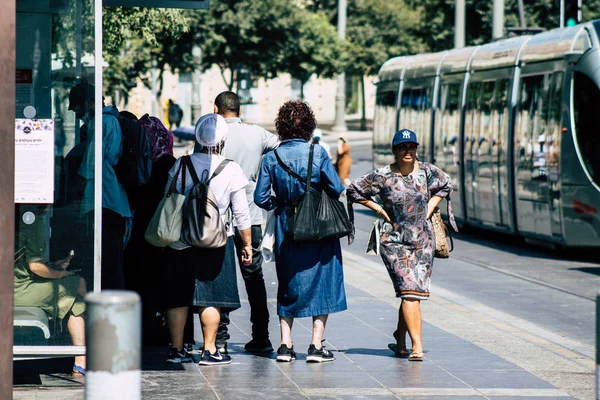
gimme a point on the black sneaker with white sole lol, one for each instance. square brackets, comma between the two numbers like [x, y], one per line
[285, 354]
[215, 358]
[175, 356]
[319, 355]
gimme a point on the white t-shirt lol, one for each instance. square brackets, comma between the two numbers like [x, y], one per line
[229, 187]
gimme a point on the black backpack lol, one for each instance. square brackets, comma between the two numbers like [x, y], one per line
[135, 164]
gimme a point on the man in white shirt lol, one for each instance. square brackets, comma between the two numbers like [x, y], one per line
[245, 145]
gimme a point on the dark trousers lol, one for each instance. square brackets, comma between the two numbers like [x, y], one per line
[113, 230]
[255, 287]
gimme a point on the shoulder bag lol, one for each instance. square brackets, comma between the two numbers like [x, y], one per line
[441, 234]
[165, 226]
[316, 216]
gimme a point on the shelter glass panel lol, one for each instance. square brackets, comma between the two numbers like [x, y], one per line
[54, 232]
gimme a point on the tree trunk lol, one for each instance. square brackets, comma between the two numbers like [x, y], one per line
[231, 79]
[363, 119]
[302, 83]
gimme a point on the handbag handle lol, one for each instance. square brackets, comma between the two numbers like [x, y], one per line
[182, 170]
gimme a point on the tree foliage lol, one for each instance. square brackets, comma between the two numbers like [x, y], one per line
[436, 27]
[314, 49]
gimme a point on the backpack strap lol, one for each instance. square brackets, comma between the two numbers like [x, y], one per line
[220, 168]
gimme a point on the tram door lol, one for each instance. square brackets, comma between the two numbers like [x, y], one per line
[485, 137]
[537, 136]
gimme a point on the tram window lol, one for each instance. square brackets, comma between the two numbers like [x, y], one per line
[586, 97]
[447, 124]
[532, 125]
[553, 129]
[385, 109]
[471, 118]
[487, 99]
[405, 108]
[499, 118]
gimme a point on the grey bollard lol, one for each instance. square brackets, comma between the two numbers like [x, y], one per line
[113, 336]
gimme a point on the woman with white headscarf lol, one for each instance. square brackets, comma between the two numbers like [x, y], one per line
[205, 278]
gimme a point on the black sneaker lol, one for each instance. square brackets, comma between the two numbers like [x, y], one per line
[175, 356]
[320, 355]
[259, 346]
[222, 347]
[214, 359]
[285, 354]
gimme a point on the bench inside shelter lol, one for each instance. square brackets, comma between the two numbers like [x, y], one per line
[31, 325]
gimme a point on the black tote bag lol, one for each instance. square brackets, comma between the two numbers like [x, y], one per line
[316, 216]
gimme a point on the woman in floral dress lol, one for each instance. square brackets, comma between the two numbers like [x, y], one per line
[407, 241]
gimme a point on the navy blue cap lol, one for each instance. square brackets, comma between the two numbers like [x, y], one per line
[404, 136]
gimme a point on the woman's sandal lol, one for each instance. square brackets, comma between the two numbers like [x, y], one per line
[415, 356]
[399, 351]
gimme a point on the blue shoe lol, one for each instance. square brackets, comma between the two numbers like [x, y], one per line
[78, 369]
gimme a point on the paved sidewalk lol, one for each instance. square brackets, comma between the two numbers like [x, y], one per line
[454, 368]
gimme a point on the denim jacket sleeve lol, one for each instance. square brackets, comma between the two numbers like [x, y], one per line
[262, 193]
[330, 181]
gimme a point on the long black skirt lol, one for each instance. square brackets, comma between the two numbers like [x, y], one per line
[203, 278]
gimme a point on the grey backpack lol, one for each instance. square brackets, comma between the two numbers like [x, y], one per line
[202, 223]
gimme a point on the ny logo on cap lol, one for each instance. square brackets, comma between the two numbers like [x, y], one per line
[405, 134]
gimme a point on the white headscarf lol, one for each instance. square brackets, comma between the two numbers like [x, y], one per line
[211, 130]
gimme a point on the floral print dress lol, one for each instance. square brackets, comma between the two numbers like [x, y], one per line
[407, 244]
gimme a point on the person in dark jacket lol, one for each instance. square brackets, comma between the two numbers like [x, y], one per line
[310, 275]
[144, 263]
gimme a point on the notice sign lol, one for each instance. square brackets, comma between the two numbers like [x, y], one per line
[34, 161]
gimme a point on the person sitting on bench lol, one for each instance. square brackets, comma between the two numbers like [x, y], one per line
[47, 285]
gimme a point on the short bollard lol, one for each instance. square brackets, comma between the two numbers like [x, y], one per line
[113, 337]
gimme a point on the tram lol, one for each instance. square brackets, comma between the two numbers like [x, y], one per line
[516, 125]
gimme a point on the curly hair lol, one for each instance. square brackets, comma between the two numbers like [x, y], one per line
[295, 119]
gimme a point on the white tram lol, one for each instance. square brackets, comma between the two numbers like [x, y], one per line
[513, 123]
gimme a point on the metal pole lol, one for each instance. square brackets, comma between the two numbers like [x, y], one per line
[522, 14]
[598, 346]
[459, 24]
[498, 20]
[562, 14]
[339, 124]
[7, 195]
[196, 84]
[113, 334]
[153, 73]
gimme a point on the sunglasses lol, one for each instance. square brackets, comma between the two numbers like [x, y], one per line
[407, 147]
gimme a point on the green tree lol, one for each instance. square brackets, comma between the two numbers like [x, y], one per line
[436, 27]
[134, 40]
[248, 33]
[314, 50]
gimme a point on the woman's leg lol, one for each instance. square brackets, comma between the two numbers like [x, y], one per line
[286, 330]
[401, 329]
[176, 318]
[210, 318]
[82, 289]
[411, 309]
[76, 328]
[319, 322]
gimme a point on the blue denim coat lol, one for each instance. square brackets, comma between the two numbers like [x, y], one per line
[310, 275]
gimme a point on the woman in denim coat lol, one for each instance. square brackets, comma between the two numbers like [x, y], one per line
[310, 275]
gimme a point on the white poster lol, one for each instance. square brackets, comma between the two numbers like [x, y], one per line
[34, 161]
